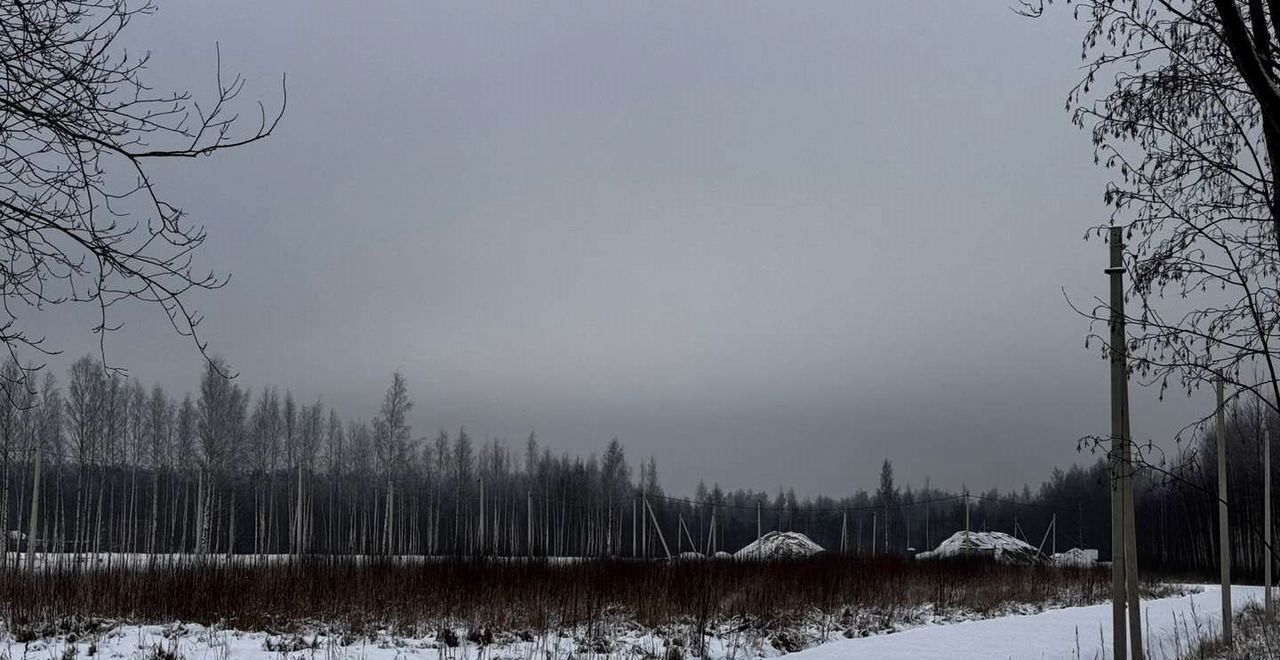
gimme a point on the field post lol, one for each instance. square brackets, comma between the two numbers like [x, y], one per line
[1115, 271]
[711, 533]
[658, 528]
[844, 531]
[757, 520]
[1224, 546]
[873, 531]
[644, 526]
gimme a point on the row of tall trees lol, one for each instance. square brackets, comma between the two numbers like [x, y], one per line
[123, 468]
[127, 469]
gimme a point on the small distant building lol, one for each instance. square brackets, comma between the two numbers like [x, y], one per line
[1076, 558]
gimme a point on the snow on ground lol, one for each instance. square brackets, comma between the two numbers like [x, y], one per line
[1072, 633]
[196, 642]
[779, 545]
[1000, 546]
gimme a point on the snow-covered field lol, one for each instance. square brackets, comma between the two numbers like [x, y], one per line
[1171, 624]
[1077, 632]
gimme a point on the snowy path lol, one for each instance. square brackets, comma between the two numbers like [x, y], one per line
[1049, 635]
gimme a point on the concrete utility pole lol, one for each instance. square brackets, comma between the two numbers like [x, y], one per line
[644, 528]
[35, 514]
[657, 528]
[1224, 542]
[1131, 536]
[1124, 559]
[1266, 520]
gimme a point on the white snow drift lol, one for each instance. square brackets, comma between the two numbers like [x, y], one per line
[994, 545]
[780, 545]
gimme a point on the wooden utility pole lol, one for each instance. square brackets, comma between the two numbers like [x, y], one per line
[1224, 545]
[1124, 564]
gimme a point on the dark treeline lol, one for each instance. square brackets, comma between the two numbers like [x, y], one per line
[1177, 505]
[121, 468]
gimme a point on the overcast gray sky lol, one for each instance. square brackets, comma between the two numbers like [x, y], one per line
[770, 243]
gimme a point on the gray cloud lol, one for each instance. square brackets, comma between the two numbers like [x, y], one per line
[770, 243]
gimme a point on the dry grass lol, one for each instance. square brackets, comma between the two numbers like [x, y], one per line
[1254, 640]
[529, 596]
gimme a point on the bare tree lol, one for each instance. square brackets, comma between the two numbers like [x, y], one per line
[220, 426]
[1181, 100]
[335, 461]
[188, 456]
[391, 443]
[81, 131]
[159, 425]
[1182, 103]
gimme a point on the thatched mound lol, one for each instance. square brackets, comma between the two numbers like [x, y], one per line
[780, 545]
[998, 546]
